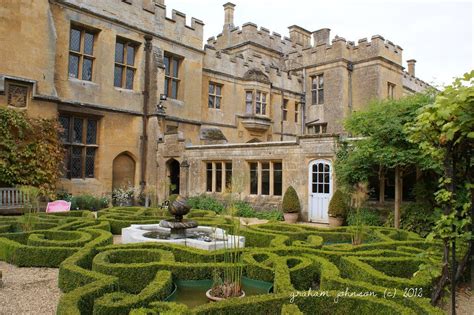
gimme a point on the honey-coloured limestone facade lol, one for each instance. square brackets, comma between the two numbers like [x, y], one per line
[145, 103]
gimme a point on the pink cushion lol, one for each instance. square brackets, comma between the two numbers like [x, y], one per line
[58, 206]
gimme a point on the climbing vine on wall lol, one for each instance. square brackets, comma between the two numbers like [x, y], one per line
[31, 152]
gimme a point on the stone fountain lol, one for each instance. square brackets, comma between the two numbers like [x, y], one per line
[178, 226]
[181, 231]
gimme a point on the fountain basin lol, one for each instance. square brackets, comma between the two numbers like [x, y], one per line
[202, 237]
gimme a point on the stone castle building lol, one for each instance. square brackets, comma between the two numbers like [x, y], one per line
[144, 103]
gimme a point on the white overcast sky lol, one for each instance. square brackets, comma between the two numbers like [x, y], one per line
[438, 34]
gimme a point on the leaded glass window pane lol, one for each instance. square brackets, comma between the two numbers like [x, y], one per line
[130, 55]
[89, 43]
[167, 65]
[167, 87]
[253, 178]
[218, 90]
[76, 162]
[75, 40]
[73, 66]
[265, 178]
[77, 130]
[228, 176]
[211, 88]
[91, 131]
[130, 76]
[218, 102]
[175, 67]
[90, 162]
[174, 89]
[218, 177]
[118, 72]
[119, 52]
[211, 101]
[87, 69]
[64, 121]
[209, 177]
[277, 179]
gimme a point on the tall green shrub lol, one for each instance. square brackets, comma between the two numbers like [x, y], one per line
[337, 206]
[291, 202]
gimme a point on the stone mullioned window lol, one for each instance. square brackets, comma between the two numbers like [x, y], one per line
[218, 176]
[81, 53]
[317, 89]
[172, 65]
[266, 178]
[285, 109]
[256, 102]
[215, 95]
[79, 137]
[124, 70]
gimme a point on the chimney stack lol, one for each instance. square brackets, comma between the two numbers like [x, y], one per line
[411, 66]
[321, 36]
[229, 16]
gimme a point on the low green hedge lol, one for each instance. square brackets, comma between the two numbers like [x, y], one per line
[97, 277]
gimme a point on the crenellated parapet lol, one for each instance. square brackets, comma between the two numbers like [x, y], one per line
[146, 15]
[237, 65]
[341, 49]
[251, 33]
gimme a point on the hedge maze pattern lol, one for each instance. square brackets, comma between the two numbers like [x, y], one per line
[97, 277]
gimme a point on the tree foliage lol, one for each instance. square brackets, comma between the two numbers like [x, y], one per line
[382, 139]
[444, 131]
[30, 151]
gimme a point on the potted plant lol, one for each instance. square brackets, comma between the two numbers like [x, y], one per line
[227, 283]
[291, 205]
[337, 209]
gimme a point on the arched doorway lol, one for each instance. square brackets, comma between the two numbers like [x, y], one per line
[173, 175]
[320, 190]
[123, 171]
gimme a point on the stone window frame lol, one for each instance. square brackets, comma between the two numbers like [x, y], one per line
[173, 65]
[284, 109]
[261, 167]
[391, 90]
[259, 104]
[88, 144]
[213, 96]
[126, 64]
[82, 55]
[317, 90]
[212, 169]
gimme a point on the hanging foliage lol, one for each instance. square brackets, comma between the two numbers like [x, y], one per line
[31, 152]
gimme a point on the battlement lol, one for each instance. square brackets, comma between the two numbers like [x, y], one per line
[149, 15]
[340, 48]
[238, 64]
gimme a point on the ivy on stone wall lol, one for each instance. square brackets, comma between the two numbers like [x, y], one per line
[31, 152]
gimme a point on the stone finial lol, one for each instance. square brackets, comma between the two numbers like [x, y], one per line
[411, 66]
[229, 15]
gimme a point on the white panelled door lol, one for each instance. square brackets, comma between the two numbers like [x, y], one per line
[320, 190]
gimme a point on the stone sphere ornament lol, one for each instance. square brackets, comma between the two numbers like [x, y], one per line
[179, 208]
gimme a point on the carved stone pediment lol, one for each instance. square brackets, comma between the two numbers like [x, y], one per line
[256, 75]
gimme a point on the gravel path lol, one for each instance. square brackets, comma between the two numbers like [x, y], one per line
[28, 290]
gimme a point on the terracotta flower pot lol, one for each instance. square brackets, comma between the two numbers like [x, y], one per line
[290, 217]
[217, 299]
[335, 221]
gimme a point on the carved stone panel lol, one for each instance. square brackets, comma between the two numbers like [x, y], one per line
[17, 95]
